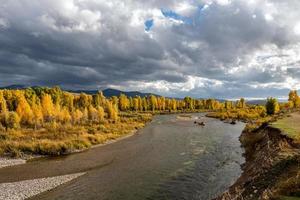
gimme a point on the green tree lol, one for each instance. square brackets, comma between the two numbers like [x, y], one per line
[272, 106]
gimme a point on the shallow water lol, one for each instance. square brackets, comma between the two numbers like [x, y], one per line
[169, 159]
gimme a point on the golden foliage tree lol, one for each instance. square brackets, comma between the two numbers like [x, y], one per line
[112, 111]
[24, 110]
[48, 108]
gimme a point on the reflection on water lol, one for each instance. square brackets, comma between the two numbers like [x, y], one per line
[170, 159]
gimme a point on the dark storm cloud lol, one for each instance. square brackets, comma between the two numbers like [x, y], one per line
[91, 44]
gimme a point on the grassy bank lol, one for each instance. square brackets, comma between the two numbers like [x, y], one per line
[57, 139]
[290, 125]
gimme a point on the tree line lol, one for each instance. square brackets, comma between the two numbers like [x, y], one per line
[33, 107]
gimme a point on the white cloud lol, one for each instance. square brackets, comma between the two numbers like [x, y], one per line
[297, 29]
[231, 45]
[185, 8]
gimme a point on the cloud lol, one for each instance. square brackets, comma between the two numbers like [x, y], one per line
[219, 48]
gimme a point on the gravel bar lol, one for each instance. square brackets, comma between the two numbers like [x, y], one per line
[6, 162]
[25, 189]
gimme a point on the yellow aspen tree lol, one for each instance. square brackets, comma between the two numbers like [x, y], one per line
[145, 104]
[112, 111]
[24, 110]
[3, 106]
[92, 114]
[64, 115]
[57, 110]
[163, 103]
[135, 103]
[101, 113]
[37, 114]
[115, 100]
[3, 110]
[48, 107]
[174, 104]
[140, 103]
[68, 101]
[85, 115]
[123, 102]
[77, 116]
[153, 102]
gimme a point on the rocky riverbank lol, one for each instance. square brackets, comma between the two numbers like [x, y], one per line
[271, 170]
[29, 188]
[6, 162]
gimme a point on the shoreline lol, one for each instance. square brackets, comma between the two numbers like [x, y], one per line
[22, 190]
[270, 157]
[7, 161]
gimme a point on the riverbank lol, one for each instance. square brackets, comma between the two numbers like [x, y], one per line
[271, 170]
[25, 189]
[61, 140]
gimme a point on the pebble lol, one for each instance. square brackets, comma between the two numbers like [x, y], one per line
[29, 188]
[6, 162]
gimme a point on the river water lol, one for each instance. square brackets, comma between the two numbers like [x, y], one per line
[170, 158]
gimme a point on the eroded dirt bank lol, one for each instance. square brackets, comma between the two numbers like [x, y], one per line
[272, 167]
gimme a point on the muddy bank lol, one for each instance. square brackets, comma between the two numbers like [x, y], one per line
[271, 170]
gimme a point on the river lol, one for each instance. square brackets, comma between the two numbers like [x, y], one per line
[170, 158]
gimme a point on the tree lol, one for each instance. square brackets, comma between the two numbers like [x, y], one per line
[85, 115]
[48, 107]
[68, 101]
[153, 102]
[135, 104]
[294, 98]
[93, 114]
[24, 110]
[112, 111]
[272, 106]
[99, 99]
[13, 120]
[84, 101]
[77, 116]
[101, 113]
[189, 103]
[37, 114]
[228, 105]
[3, 106]
[64, 115]
[123, 102]
[145, 104]
[241, 103]
[174, 104]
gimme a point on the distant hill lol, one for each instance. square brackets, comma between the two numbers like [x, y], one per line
[14, 87]
[114, 92]
[107, 92]
[257, 102]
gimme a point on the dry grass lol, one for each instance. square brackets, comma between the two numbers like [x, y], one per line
[56, 139]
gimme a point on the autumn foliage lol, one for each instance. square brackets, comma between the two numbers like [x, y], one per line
[50, 121]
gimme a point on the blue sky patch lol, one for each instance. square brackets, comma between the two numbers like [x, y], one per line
[149, 24]
[173, 15]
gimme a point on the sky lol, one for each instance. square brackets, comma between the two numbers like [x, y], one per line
[198, 48]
